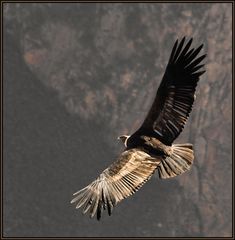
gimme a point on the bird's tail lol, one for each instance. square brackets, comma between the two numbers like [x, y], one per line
[178, 162]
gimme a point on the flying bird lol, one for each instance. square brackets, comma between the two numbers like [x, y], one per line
[151, 147]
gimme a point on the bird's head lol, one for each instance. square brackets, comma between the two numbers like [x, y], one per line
[124, 138]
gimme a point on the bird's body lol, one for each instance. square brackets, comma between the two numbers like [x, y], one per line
[148, 142]
[151, 147]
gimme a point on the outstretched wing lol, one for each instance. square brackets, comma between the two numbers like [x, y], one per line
[176, 93]
[123, 178]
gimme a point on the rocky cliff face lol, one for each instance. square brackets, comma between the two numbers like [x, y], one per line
[78, 75]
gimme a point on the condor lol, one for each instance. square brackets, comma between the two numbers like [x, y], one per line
[151, 147]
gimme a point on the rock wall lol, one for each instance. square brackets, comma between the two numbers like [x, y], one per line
[78, 75]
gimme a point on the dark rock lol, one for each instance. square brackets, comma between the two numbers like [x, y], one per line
[78, 75]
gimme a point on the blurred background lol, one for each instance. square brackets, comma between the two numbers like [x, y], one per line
[76, 76]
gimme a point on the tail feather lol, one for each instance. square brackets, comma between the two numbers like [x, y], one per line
[178, 162]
